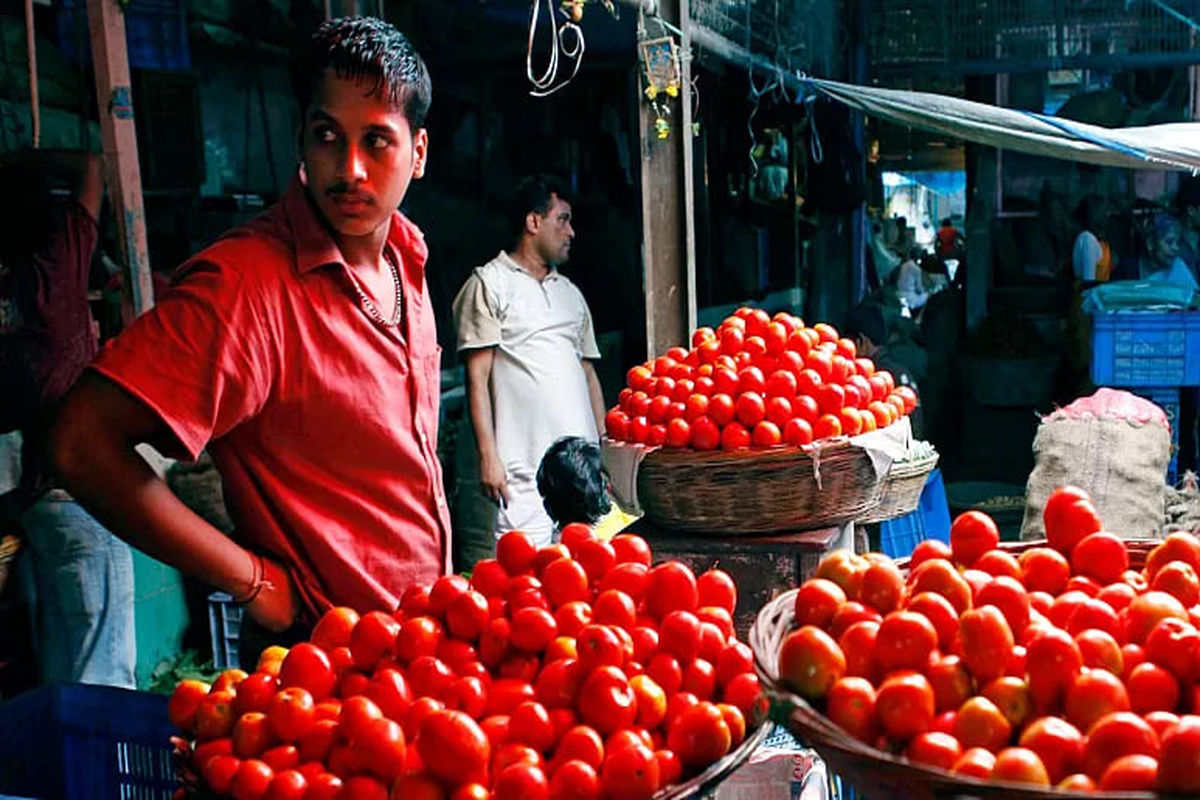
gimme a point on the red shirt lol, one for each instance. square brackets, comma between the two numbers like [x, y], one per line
[322, 423]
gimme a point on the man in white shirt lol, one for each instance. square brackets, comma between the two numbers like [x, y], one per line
[525, 334]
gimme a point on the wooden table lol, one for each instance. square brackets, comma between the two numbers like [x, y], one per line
[761, 566]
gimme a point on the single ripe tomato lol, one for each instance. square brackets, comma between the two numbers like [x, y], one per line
[181, 708]
[1058, 743]
[1093, 695]
[986, 642]
[1179, 759]
[972, 534]
[810, 662]
[453, 747]
[670, 586]
[1118, 734]
[850, 704]
[1044, 570]
[980, 723]
[1068, 517]
[904, 641]
[1020, 765]
[935, 749]
[308, 667]
[699, 735]
[630, 773]
[1100, 556]
[904, 704]
[817, 600]
[976, 762]
[372, 639]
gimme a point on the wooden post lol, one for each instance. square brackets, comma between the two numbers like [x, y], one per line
[668, 229]
[106, 22]
[31, 56]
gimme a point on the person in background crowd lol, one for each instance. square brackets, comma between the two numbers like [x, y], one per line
[910, 283]
[949, 241]
[77, 577]
[1187, 208]
[574, 488]
[1091, 257]
[1162, 262]
[300, 350]
[525, 333]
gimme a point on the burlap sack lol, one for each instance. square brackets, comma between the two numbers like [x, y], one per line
[1114, 445]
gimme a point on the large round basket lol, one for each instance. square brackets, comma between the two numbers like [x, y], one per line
[901, 490]
[873, 772]
[758, 491]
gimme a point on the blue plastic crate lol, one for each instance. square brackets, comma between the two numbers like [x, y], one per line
[74, 741]
[898, 536]
[156, 34]
[225, 626]
[1146, 349]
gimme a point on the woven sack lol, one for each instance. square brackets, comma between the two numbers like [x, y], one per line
[1114, 445]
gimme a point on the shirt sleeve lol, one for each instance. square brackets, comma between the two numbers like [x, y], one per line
[475, 316]
[201, 359]
[587, 344]
[1087, 255]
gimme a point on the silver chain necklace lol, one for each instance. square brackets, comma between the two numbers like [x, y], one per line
[369, 305]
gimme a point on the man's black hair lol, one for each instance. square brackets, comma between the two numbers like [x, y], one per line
[868, 320]
[366, 48]
[572, 483]
[534, 193]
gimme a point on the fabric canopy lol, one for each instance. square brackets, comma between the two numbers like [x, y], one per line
[1173, 146]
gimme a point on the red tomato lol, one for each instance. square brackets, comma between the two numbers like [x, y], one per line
[745, 693]
[181, 708]
[1020, 765]
[1100, 556]
[1152, 688]
[904, 641]
[453, 747]
[1068, 517]
[937, 609]
[252, 735]
[950, 681]
[671, 586]
[986, 642]
[530, 724]
[574, 780]
[853, 611]
[1146, 610]
[1119, 734]
[372, 639]
[1179, 580]
[851, 705]
[220, 771]
[817, 600]
[251, 780]
[797, 432]
[1093, 695]
[1010, 597]
[468, 615]
[1179, 760]
[429, 677]
[976, 762]
[827, 426]
[307, 666]
[735, 436]
[979, 723]
[972, 534]
[882, 587]
[1173, 643]
[927, 549]
[904, 704]
[1044, 570]
[935, 749]
[1052, 660]
[606, 700]
[215, 715]
[810, 662]
[291, 715]
[1058, 743]
[1100, 651]
[565, 580]
[631, 773]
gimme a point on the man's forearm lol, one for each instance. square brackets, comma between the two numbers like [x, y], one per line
[595, 395]
[479, 404]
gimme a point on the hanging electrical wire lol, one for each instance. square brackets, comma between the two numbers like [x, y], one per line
[560, 45]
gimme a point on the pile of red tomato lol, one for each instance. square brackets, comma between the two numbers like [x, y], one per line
[1058, 667]
[757, 381]
[576, 670]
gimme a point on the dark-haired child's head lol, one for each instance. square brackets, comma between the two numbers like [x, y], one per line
[572, 482]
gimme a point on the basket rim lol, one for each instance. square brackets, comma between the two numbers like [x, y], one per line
[672, 457]
[774, 620]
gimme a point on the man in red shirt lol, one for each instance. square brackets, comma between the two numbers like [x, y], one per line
[300, 350]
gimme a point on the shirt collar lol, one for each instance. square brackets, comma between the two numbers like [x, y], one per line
[314, 247]
[516, 266]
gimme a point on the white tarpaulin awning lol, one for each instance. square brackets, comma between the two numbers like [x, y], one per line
[1173, 146]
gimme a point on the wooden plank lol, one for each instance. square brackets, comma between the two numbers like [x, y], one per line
[106, 23]
[665, 240]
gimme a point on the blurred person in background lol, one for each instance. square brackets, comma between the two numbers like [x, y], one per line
[76, 576]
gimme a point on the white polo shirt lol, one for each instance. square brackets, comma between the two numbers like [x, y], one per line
[541, 331]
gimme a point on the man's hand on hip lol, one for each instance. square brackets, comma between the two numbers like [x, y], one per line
[277, 603]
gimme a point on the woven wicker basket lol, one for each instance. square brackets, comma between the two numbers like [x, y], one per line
[702, 785]
[901, 490]
[758, 491]
[873, 772]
